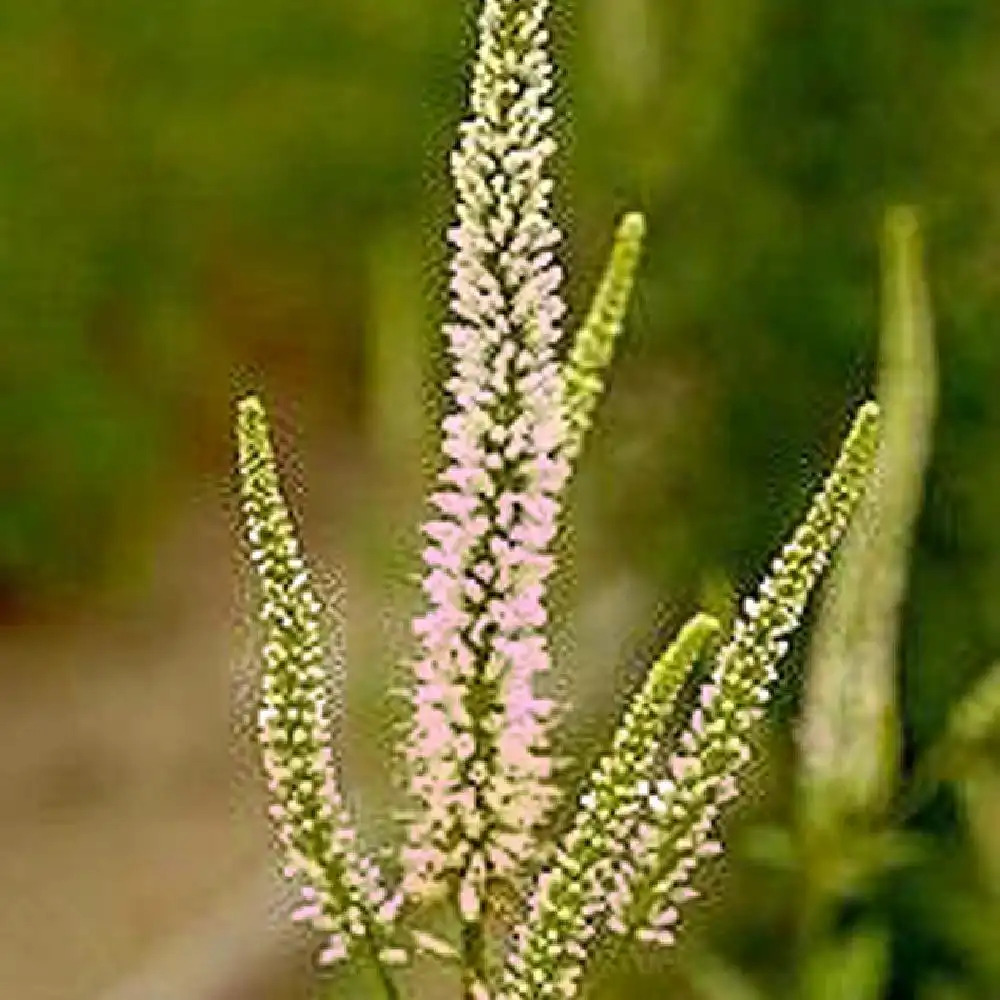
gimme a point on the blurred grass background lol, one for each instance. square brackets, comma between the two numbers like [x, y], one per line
[201, 197]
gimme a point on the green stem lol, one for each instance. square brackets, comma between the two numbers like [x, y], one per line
[388, 986]
[391, 993]
[931, 771]
[473, 957]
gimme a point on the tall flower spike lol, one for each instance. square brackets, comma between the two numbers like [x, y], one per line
[479, 775]
[571, 892]
[675, 830]
[595, 341]
[342, 892]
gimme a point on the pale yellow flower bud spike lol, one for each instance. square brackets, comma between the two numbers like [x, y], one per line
[343, 894]
[849, 737]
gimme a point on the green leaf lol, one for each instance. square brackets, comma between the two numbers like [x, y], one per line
[976, 718]
[973, 726]
[852, 968]
[714, 978]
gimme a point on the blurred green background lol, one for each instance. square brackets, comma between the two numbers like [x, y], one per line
[204, 196]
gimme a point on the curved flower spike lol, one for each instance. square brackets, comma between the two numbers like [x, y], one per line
[671, 828]
[343, 895]
[570, 896]
[715, 747]
[595, 341]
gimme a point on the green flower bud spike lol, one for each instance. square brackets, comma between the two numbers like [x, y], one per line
[657, 832]
[569, 898]
[343, 894]
[595, 341]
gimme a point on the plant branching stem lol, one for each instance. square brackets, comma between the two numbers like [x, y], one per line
[388, 985]
[473, 957]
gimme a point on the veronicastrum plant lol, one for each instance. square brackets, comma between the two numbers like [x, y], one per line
[480, 778]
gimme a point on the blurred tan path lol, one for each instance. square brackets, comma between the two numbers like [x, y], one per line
[118, 832]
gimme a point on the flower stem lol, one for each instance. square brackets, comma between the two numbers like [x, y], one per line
[473, 959]
[388, 986]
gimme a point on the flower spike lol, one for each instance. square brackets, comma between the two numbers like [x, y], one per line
[715, 746]
[570, 894]
[595, 342]
[848, 738]
[342, 891]
[670, 824]
[477, 753]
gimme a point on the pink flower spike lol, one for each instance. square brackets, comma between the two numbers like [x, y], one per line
[496, 513]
